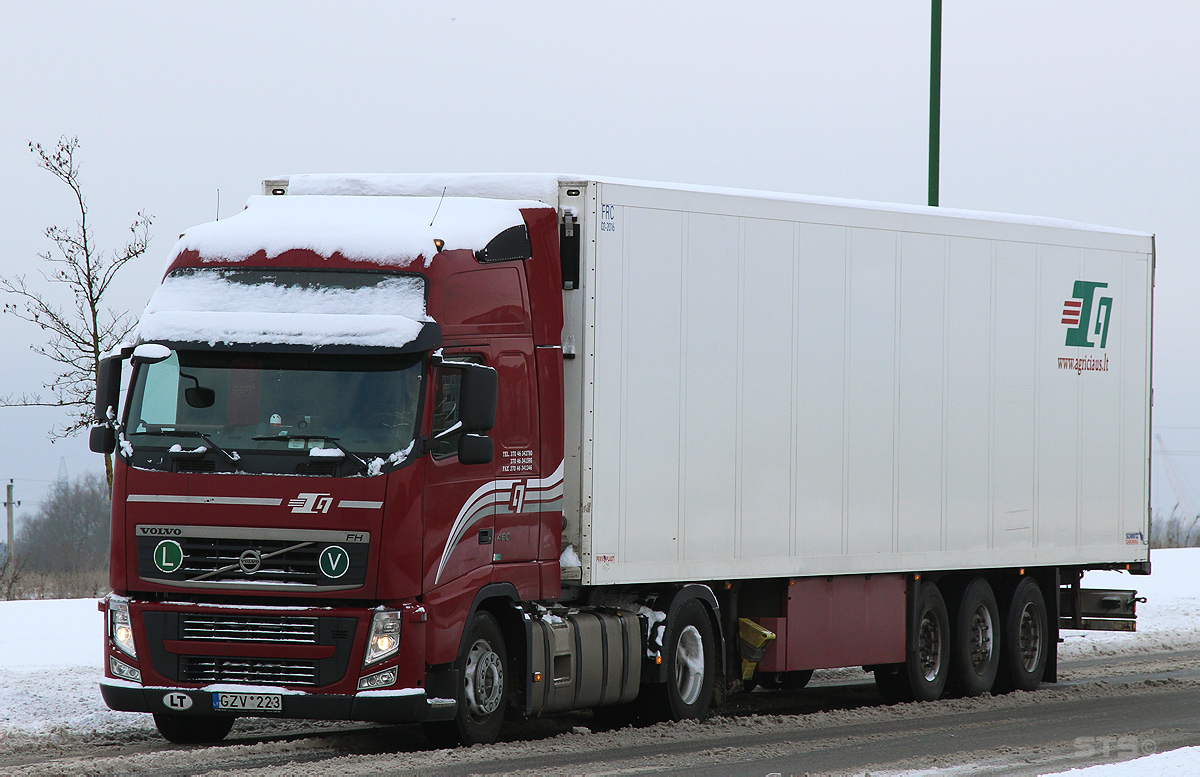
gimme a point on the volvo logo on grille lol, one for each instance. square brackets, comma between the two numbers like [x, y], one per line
[250, 561]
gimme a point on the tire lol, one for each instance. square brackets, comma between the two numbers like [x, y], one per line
[482, 688]
[975, 647]
[689, 655]
[1025, 641]
[192, 729]
[927, 655]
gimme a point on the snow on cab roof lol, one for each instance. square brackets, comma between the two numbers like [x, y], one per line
[205, 306]
[544, 187]
[390, 231]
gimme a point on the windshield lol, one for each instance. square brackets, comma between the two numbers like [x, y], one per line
[345, 406]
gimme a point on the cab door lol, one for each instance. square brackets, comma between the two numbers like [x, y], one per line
[518, 520]
[460, 499]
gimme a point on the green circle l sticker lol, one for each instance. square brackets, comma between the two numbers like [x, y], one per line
[168, 556]
[334, 561]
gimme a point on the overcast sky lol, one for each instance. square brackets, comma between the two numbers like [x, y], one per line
[1082, 109]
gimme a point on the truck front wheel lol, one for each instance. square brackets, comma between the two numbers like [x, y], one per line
[482, 687]
[192, 729]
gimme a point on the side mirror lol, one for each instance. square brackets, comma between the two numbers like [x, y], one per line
[477, 398]
[102, 439]
[108, 391]
[475, 449]
[150, 353]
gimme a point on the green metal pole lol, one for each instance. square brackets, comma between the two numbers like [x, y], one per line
[935, 99]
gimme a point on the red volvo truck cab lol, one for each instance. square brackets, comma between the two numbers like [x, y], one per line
[408, 449]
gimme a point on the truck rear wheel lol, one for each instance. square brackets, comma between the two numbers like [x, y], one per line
[192, 729]
[976, 644]
[1026, 639]
[482, 688]
[927, 659]
[689, 652]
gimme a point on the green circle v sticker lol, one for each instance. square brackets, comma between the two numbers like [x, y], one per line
[168, 556]
[334, 561]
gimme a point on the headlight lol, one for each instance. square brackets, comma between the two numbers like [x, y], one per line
[119, 627]
[384, 639]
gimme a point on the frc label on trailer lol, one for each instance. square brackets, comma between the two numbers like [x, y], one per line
[608, 218]
[1087, 314]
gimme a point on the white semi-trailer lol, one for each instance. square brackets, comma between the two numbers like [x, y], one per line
[657, 439]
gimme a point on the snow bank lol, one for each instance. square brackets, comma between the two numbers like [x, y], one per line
[1183, 762]
[205, 307]
[389, 231]
[1169, 619]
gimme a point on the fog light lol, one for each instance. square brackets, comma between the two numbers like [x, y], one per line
[120, 628]
[124, 670]
[384, 639]
[378, 680]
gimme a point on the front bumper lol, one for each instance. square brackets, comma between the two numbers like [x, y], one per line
[406, 705]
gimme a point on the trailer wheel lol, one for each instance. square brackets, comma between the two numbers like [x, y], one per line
[1025, 643]
[482, 688]
[689, 653]
[927, 660]
[192, 729]
[976, 644]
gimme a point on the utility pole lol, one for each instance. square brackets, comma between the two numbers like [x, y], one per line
[9, 504]
[935, 99]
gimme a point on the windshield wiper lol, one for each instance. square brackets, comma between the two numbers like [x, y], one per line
[233, 457]
[306, 437]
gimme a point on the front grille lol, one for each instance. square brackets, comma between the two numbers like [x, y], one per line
[248, 558]
[280, 647]
[248, 628]
[217, 559]
[211, 669]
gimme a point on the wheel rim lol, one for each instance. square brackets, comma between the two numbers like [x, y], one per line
[1029, 638]
[689, 665]
[484, 679]
[929, 647]
[981, 639]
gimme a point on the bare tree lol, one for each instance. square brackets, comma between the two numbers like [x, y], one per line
[70, 531]
[80, 333]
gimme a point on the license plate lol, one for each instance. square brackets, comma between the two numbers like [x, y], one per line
[270, 702]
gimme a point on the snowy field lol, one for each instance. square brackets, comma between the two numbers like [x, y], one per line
[50, 651]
